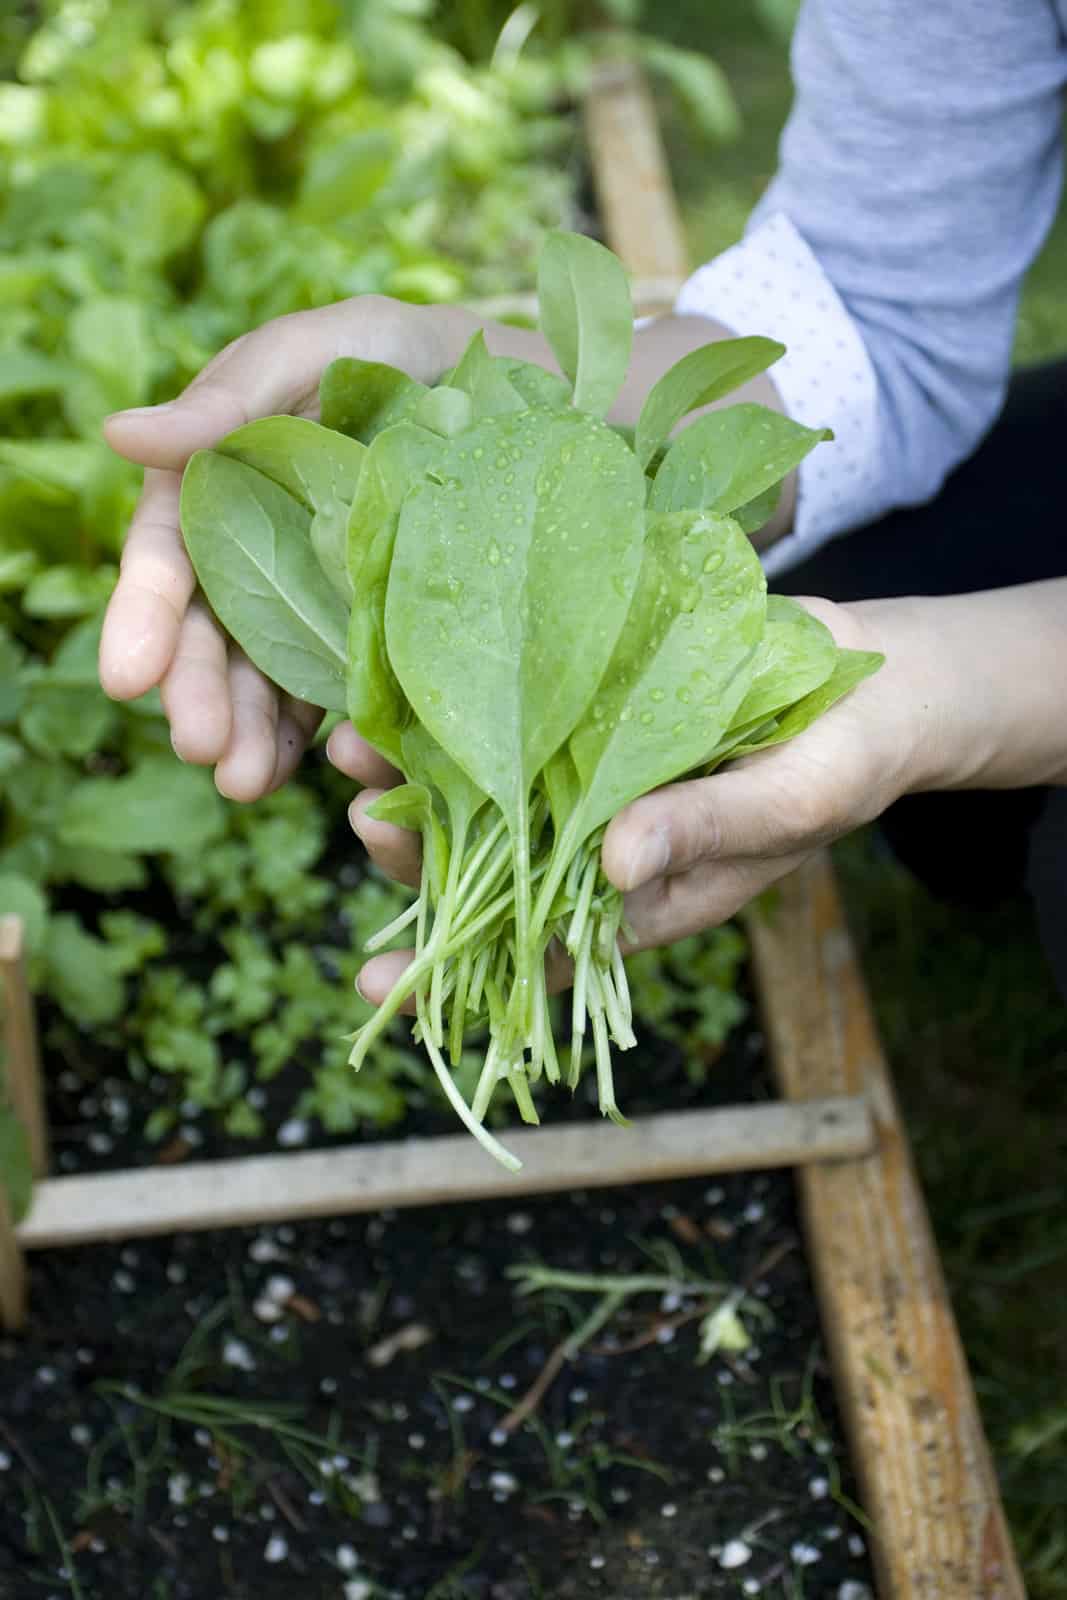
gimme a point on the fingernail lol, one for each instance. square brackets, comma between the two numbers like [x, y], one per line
[650, 858]
[177, 752]
[142, 411]
[359, 987]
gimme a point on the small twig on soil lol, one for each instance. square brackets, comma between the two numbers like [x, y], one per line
[285, 1506]
[28, 1461]
[768, 1262]
[167, 1545]
[537, 1390]
[657, 1326]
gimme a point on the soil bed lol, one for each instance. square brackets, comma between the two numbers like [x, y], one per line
[400, 1345]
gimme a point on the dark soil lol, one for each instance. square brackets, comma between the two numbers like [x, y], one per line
[641, 1474]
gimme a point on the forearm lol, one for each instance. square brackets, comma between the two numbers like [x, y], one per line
[657, 346]
[990, 707]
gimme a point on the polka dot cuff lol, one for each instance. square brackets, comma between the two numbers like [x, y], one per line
[772, 284]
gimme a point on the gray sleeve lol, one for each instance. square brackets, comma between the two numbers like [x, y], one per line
[921, 164]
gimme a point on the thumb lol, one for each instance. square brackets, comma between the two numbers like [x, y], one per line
[275, 370]
[732, 814]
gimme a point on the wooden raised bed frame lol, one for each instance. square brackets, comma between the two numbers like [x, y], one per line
[926, 1478]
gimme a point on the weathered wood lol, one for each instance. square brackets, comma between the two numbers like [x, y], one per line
[926, 1477]
[253, 1189]
[12, 1271]
[633, 186]
[22, 1058]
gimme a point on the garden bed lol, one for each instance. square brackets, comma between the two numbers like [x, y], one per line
[397, 1346]
[134, 1515]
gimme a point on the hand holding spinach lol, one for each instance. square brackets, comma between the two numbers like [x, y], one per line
[534, 617]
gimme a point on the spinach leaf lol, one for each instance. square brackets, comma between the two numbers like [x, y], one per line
[360, 398]
[698, 379]
[586, 316]
[850, 670]
[796, 654]
[318, 467]
[730, 458]
[444, 410]
[535, 384]
[486, 381]
[249, 541]
[682, 665]
[503, 605]
[396, 461]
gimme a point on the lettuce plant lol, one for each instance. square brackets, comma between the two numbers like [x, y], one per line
[537, 616]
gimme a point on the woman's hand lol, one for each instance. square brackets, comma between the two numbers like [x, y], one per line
[690, 855]
[158, 631]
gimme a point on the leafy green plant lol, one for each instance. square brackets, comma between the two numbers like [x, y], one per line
[545, 619]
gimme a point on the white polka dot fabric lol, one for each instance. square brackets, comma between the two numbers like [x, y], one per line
[772, 284]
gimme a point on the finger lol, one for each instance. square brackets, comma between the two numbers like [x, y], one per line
[707, 895]
[251, 756]
[397, 851]
[276, 369]
[196, 689]
[767, 807]
[352, 755]
[156, 583]
[297, 724]
[377, 976]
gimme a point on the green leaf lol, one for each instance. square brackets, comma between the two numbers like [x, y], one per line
[102, 871]
[20, 897]
[397, 460]
[111, 336]
[586, 316]
[851, 669]
[66, 465]
[536, 386]
[444, 411]
[26, 372]
[499, 626]
[360, 398]
[249, 541]
[12, 683]
[66, 719]
[731, 458]
[408, 806]
[318, 467]
[796, 654]
[700, 84]
[160, 806]
[82, 973]
[682, 665]
[485, 379]
[69, 591]
[698, 379]
[16, 1169]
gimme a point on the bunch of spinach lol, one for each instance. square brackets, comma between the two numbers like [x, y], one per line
[536, 616]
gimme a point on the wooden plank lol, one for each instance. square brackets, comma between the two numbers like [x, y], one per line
[633, 185]
[254, 1189]
[12, 1271]
[926, 1476]
[22, 1058]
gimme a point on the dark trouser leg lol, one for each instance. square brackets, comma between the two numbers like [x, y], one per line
[1001, 519]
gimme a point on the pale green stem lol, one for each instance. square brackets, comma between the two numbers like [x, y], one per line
[392, 929]
[463, 1111]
